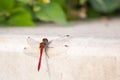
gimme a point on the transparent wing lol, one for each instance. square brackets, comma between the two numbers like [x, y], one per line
[31, 52]
[33, 43]
[59, 46]
[60, 42]
[33, 49]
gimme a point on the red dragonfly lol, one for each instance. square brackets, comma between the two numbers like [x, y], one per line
[34, 49]
[45, 45]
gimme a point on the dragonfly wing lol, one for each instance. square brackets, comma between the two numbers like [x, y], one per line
[59, 42]
[33, 50]
[58, 46]
[33, 43]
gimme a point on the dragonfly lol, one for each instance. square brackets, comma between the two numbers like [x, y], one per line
[43, 44]
[52, 46]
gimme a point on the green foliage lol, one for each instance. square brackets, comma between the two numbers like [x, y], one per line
[20, 17]
[82, 2]
[6, 5]
[13, 15]
[91, 13]
[60, 2]
[104, 5]
[2, 19]
[52, 12]
[27, 12]
[24, 1]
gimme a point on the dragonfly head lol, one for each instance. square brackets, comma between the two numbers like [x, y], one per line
[45, 40]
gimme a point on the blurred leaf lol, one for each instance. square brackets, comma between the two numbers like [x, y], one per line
[91, 13]
[20, 17]
[82, 2]
[52, 12]
[43, 16]
[36, 8]
[104, 5]
[39, 2]
[6, 5]
[24, 1]
[17, 10]
[2, 19]
[61, 2]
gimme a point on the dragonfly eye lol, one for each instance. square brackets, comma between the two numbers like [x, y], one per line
[45, 40]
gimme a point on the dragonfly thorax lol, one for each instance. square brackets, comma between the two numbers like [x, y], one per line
[44, 42]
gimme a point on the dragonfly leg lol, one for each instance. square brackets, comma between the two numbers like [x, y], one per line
[46, 49]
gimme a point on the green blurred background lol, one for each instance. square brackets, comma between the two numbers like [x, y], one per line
[32, 12]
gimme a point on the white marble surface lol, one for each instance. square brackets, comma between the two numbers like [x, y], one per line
[92, 53]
